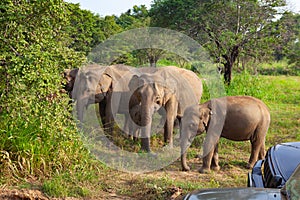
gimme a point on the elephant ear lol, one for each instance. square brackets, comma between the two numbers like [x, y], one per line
[134, 82]
[205, 114]
[159, 93]
[70, 74]
[73, 73]
[105, 82]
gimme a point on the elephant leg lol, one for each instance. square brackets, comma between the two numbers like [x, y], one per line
[257, 146]
[109, 120]
[261, 154]
[136, 134]
[171, 109]
[215, 160]
[255, 150]
[207, 160]
[126, 125]
[102, 108]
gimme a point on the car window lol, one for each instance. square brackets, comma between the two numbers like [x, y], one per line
[292, 186]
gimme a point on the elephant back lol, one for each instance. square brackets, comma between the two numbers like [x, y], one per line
[186, 86]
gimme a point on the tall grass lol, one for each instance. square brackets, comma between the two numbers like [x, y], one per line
[40, 149]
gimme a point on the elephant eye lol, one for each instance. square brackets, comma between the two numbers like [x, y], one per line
[192, 125]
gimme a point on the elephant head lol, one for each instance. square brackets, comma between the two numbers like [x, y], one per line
[152, 93]
[70, 76]
[95, 85]
[87, 89]
[194, 122]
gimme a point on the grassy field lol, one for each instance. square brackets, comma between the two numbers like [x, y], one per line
[91, 178]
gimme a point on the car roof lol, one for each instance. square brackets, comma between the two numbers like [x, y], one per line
[287, 157]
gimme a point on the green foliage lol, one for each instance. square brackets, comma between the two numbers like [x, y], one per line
[68, 184]
[278, 68]
[84, 29]
[38, 135]
[137, 17]
[247, 84]
[289, 34]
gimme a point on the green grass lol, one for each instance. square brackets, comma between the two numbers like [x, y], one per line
[278, 68]
[59, 165]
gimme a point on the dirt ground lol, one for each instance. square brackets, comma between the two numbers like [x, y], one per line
[26, 194]
[226, 175]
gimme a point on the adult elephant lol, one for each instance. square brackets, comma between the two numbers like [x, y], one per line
[236, 118]
[169, 88]
[96, 84]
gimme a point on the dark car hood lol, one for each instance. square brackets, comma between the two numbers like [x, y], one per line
[235, 193]
[286, 157]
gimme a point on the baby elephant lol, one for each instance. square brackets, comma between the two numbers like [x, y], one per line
[236, 118]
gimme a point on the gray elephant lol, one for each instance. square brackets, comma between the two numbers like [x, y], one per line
[236, 118]
[169, 88]
[103, 85]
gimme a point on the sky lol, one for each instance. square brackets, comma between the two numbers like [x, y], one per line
[116, 7]
[110, 7]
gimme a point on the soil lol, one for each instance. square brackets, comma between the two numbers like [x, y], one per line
[225, 178]
[23, 194]
[26, 194]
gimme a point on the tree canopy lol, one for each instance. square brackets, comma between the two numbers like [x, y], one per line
[227, 29]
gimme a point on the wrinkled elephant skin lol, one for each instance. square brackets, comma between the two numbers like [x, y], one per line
[243, 117]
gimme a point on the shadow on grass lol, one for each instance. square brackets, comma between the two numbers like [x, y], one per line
[233, 163]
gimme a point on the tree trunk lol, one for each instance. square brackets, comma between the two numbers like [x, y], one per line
[227, 72]
[229, 63]
[152, 61]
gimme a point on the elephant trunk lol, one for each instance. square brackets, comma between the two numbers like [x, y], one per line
[146, 120]
[184, 166]
[184, 147]
[80, 107]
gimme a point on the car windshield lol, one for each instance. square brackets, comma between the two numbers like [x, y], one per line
[292, 186]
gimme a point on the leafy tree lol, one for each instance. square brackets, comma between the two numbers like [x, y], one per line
[84, 29]
[36, 130]
[289, 30]
[138, 17]
[226, 28]
[109, 26]
[290, 38]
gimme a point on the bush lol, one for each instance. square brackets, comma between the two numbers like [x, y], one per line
[38, 135]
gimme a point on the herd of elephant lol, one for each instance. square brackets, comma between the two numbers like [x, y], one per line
[174, 93]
